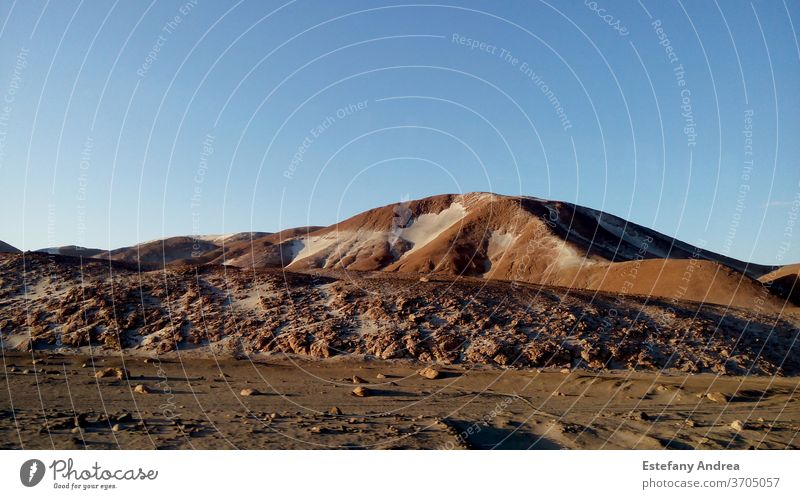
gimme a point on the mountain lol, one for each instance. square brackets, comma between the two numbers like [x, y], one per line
[180, 249]
[519, 239]
[7, 248]
[494, 237]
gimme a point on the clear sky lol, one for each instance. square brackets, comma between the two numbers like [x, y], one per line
[128, 121]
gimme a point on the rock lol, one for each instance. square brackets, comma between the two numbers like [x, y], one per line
[80, 420]
[717, 397]
[360, 391]
[142, 389]
[125, 417]
[690, 423]
[112, 372]
[566, 370]
[737, 425]
[75, 430]
[249, 392]
[429, 373]
[642, 416]
[424, 279]
[380, 376]
[358, 380]
[116, 428]
[335, 411]
[315, 429]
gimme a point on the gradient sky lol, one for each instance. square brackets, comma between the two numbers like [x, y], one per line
[103, 145]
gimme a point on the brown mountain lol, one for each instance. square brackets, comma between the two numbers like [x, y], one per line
[180, 249]
[520, 239]
[490, 236]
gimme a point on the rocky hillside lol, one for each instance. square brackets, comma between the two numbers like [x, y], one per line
[53, 302]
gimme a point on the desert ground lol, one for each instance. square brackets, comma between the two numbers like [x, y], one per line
[286, 402]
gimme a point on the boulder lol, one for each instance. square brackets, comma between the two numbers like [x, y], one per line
[429, 373]
[360, 391]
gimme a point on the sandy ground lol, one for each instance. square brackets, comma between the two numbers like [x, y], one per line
[56, 402]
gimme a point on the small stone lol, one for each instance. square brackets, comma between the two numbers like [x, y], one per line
[358, 380]
[75, 430]
[315, 429]
[335, 411]
[116, 428]
[142, 389]
[566, 370]
[642, 416]
[80, 420]
[737, 425]
[429, 373]
[125, 417]
[717, 397]
[690, 423]
[112, 372]
[360, 391]
[380, 376]
[26, 371]
[424, 279]
[249, 392]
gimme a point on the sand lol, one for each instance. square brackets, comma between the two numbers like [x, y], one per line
[198, 404]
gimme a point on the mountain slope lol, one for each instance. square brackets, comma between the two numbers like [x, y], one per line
[7, 248]
[529, 240]
[219, 311]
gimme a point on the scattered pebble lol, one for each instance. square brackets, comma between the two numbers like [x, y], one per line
[737, 425]
[249, 392]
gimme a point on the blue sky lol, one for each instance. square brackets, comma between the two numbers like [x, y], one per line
[127, 121]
